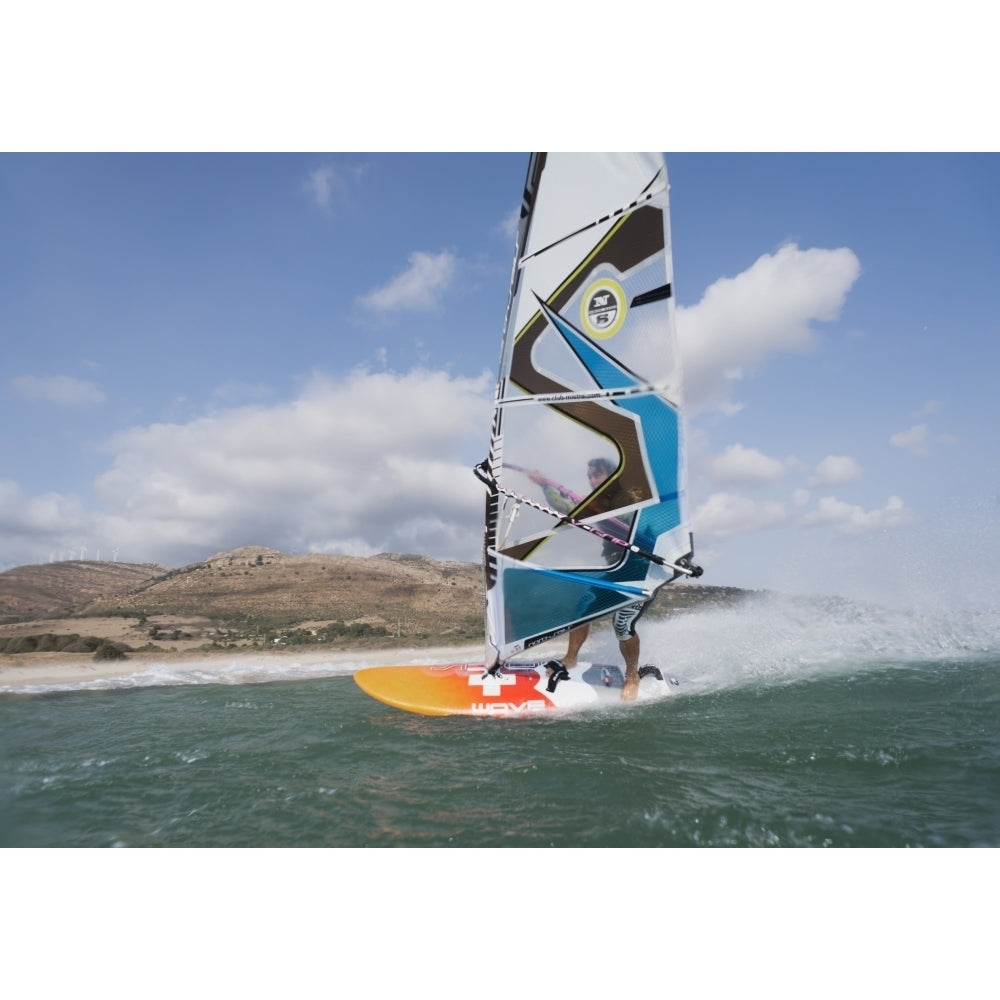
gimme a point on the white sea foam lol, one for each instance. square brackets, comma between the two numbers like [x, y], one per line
[775, 638]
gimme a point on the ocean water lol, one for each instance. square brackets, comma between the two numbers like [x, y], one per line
[797, 723]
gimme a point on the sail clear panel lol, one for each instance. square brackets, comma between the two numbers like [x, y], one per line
[586, 506]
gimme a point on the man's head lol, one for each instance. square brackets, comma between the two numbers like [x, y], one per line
[598, 469]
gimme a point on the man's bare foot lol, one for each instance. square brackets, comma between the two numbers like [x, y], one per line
[631, 689]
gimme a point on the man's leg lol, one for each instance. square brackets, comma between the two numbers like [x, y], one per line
[628, 642]
[630, 654]
[576, 639]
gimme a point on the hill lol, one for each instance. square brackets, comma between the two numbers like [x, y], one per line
[253, 586]
[63, 588]
[261, 596]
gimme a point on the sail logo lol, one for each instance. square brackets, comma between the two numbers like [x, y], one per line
[602, 310]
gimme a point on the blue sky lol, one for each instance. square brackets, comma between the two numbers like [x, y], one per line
[298, 350]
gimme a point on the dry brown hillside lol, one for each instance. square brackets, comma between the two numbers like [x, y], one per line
[259, 595]
[62, 588]
[406, 595]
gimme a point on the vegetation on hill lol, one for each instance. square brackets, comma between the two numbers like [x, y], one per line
[49, 642]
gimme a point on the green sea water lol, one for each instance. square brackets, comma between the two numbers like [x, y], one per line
[796, 724]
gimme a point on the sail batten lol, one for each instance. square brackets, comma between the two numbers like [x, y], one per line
[586, 509]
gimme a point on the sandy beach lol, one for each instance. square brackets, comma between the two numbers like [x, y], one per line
[62, 669]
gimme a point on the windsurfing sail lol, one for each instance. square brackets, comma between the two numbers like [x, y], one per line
[586, 509]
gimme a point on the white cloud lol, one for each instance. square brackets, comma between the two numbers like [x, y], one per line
[851, 519]
[725, 514]
[738, 464]
[510, 222]
[63, 390]
[41, 516]
[419, 287]
[835, 470]
[318, 185]
[914, 440]
[329, 180]
[918, 440]
[767, 309]
[353, 465]
[34, 528]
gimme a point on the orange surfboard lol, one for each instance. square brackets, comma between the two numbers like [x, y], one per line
[517, 689]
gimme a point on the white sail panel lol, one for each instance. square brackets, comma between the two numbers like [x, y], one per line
[591, 186]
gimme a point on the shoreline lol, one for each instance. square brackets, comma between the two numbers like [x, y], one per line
[29, 670]
[57, 669]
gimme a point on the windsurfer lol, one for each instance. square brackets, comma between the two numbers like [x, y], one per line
[624, 620]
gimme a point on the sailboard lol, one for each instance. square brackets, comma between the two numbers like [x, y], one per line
[589, 379]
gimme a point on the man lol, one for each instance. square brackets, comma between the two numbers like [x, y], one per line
[624, 620]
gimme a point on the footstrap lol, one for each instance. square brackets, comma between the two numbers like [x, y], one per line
[558, 673]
